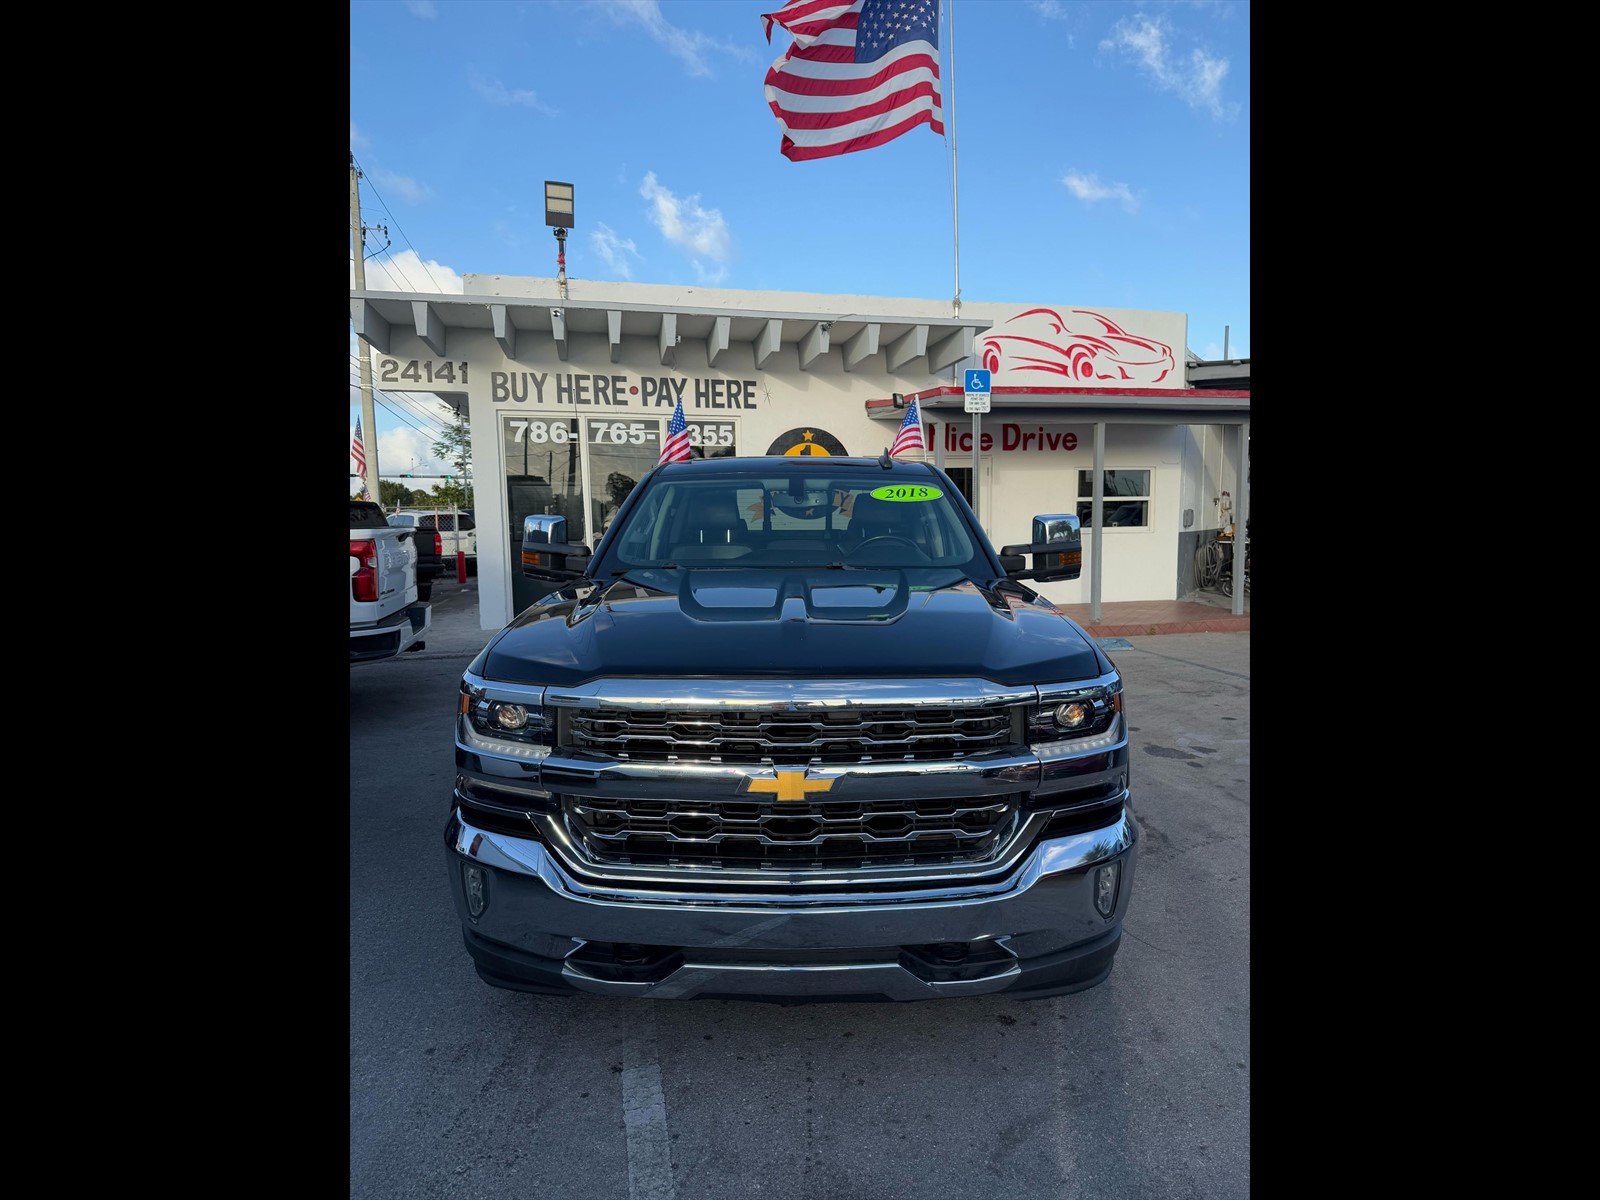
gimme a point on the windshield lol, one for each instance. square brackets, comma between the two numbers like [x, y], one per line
[776, 517]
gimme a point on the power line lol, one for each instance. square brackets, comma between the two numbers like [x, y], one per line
[405, 419]
[374, 190]
[443, 423]
[408, 419]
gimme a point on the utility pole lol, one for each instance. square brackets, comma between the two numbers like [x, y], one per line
[369, 421]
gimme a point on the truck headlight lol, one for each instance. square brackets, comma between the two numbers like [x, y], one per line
[510, 717]
[1075, 715]
[1076, 712]
[510, 721]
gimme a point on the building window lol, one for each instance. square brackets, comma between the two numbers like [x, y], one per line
[962, 478]
[1127, 498]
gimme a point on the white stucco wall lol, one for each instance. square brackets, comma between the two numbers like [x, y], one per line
[1022, 476]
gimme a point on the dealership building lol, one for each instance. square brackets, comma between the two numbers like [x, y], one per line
[568, 385]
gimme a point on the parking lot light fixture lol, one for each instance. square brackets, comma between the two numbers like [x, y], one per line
[558, 214]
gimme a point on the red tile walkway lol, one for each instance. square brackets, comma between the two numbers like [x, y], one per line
[1141, 618]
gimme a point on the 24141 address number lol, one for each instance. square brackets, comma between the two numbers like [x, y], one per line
[392, 370]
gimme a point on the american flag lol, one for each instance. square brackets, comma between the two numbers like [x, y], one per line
[910, 435]
[676, 447]
[358, 454]
[859, 74]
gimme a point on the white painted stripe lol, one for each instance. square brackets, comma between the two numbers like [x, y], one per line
[644, 1114]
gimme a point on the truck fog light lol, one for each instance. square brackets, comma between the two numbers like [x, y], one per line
[510, 716]
[476, 881]
[1105, 889]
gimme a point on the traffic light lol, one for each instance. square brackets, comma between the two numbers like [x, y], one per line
[407, 475]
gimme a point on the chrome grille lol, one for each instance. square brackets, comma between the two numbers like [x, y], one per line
[902, 733]
[790, 835]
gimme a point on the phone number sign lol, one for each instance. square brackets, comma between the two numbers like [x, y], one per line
[599, 432]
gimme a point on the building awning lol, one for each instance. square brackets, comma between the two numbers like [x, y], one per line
[1182, 406]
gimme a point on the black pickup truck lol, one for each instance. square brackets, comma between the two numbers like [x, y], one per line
[430, 551]
[794, 730]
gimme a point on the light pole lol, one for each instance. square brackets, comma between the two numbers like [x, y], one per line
[558, 215]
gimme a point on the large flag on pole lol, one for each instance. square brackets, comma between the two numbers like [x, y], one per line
[860, 73]
[910, 435]
[358, 455]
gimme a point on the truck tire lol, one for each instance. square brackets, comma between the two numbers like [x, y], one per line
[425, 590]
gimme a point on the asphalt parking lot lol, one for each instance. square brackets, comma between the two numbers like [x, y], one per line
[1139, 1087]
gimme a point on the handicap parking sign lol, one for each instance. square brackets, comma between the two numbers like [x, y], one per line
[977, 392]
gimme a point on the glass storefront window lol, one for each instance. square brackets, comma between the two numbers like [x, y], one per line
[1126, 498]
[583, 468]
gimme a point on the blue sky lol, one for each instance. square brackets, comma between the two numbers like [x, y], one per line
[1101, 158]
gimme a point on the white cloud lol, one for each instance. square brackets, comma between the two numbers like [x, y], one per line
[403, 186]
[708, 276]
[1057, 11]
[1090, 190]
[1198, 82]
[689, 46]
[614, 250]
[700, 231]
[496, 92]
[408, 422]
[406, 271]
[408, 425]
[422, 8]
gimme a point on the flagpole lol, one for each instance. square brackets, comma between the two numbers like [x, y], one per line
[358, 239]
[955, 198]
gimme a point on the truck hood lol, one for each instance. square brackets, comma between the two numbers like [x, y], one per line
[789, 623]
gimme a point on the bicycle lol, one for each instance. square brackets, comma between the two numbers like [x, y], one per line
[1226, 580]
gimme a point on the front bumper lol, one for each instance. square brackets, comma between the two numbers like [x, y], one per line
[1032, 931]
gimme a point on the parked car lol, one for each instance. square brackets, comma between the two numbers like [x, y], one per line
[452, 539]
[430, 551]
[387, 615]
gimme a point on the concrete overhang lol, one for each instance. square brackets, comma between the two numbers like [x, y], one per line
[1217, 372]
[911, 343]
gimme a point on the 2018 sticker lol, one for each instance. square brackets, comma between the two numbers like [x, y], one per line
[906, 492]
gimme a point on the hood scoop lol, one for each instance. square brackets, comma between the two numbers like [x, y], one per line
[851, 596]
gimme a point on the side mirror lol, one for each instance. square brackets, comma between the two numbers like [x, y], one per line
[1057, 550]
[546, 553]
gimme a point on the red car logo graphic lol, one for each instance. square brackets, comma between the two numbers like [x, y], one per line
[1042, 341]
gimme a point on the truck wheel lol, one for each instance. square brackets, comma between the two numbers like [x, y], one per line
[425, 590]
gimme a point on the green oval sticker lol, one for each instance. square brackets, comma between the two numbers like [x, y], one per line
[906, 492]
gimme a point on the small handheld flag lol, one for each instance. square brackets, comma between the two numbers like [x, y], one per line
[676, 447]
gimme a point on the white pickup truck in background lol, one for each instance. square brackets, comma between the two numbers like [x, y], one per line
[386, 618]
[458, 532]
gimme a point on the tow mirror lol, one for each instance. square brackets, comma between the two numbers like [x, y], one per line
[1056, 549]
[546, 553]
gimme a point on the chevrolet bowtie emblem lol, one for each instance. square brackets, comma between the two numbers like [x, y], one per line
[789, 785]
